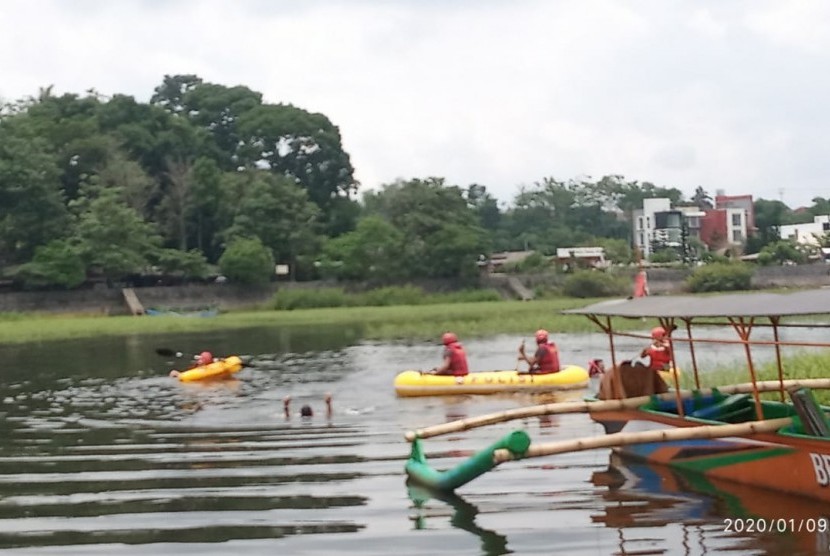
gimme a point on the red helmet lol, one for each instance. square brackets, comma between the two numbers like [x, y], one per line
[541, 336]
[658, 333]
[205, 358]
[449, 338]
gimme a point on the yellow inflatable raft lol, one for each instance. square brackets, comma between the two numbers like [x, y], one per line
[668, 376]
[413, 383]
[222, 368]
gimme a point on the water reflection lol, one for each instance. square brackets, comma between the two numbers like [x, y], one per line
[463, 517]
[639, 495]
[102, 452]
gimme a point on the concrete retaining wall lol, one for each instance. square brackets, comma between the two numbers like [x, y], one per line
[110, 301]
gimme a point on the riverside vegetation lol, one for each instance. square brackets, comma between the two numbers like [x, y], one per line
[392, 314]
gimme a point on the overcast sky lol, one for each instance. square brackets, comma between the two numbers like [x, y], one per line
[729, 95]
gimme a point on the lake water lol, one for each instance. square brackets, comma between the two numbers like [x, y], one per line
[102, 453]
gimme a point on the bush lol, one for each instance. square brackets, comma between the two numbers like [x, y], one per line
[720, 277]
[394, 295]
[592, 283]
[288, 299]
[247, 261]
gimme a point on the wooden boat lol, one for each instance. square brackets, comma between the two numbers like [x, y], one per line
[641, 494]
[219, 369]
[415, 383]
[727, 434]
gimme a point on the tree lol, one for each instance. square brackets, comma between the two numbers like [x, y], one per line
[247, 261]
[112, 237]
[702, 199]
[32, 211]
[485, 206]
[786, 251]
[277, 211]
[371, 252]
[177, 202]
[769, 216]
[55, 265]
[301, 145]
[171, 94]
[211, 208]
[441, 234]
[618, 251]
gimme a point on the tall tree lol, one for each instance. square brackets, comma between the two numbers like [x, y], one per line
[111, 236]
[302, 145]
[441, 232]
[485, 205]
[278, 212]
[32, 210]
[702, 199]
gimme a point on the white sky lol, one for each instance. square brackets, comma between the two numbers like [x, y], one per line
[726, 94]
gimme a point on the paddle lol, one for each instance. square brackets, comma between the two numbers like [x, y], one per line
[167, 352]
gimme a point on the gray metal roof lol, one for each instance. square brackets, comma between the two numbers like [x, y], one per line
[805, 302]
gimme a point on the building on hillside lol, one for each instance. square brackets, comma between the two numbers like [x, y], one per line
[740, 202]
[693, 217]
[722, 228]
[498, 260]
[808, 233]
[645, 224]
[581, 257]
[659, 225]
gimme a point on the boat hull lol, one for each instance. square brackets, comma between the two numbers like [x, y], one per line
[413, 383]
[783, 461]
[216, 370]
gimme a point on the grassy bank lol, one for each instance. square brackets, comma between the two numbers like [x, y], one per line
[797, 366]
[413, 322]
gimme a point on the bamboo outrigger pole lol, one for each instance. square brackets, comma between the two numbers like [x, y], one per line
[625, 439]
[602, 406]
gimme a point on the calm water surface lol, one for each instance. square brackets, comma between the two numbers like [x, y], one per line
[102, 453]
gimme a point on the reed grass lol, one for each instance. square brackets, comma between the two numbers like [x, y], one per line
[800, 365]
[402, 322]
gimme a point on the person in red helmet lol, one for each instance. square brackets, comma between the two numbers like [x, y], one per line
[546, 358]
[659, 351]
[455, 359]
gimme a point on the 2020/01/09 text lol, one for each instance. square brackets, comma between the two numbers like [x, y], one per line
[778, 525]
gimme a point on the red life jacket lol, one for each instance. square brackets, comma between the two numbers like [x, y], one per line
[458, 359]
[660, 358]
[548, 360]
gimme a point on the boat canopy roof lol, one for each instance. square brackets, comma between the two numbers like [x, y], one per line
[805, 302]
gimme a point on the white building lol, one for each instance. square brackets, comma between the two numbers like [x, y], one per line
[808, 233]
[736, 225]
[644, 223]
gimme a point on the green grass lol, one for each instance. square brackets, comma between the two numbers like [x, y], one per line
[797, 366]
[412, 322]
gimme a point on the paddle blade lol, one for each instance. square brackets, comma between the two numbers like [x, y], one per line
[166, 352]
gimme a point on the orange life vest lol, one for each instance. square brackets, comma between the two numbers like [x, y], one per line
[548, 360]
[458, 359]
[660, 358]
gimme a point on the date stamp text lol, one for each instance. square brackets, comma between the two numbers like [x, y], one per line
[776, 525]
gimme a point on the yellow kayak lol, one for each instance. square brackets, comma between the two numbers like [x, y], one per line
[413, 383]
[668, 376]
[222, 368]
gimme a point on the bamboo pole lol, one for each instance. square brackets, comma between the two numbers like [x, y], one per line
[601, 406]
[626, 439]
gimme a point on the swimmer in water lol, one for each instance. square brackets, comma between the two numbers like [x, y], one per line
[305, 411]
